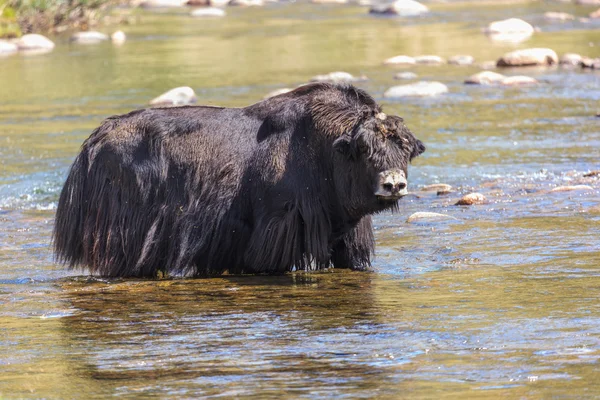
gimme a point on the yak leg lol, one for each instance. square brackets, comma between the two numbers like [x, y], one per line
[354, 249]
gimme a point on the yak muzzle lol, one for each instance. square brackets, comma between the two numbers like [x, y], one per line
[392, 184]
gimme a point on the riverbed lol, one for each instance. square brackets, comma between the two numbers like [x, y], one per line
[501, 300]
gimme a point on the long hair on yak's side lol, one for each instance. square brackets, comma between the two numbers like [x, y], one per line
[355, 248]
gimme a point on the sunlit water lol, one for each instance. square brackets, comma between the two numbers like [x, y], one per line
[501, 301]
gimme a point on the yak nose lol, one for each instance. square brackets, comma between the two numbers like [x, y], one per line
[392, 184]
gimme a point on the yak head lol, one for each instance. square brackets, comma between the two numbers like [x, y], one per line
[371, 151]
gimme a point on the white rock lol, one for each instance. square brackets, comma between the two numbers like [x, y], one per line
[595, 14]
[89, 37]
[528, 57]
[424, 216]
[403, 8]
[247, 3]
[461, 60]
[34, 42]
[329, 1]
[558, 16]
[219, 3]
[437, 187]
[422, 88]
[7, 48]
[208, 12]
[163, 3]
[471, 199]
[337, 76]
[430, 60]
[513, 30]
[518, 80]
[118, 37]
[511, 25]
[570, 59]
[400, 60]
[277, 92]
[485, 78]
[178, 96]
[405, 75]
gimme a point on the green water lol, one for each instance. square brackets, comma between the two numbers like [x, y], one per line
[500, 302]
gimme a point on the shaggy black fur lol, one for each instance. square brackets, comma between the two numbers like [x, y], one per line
[283, 184]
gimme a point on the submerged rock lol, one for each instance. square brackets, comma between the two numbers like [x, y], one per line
[570, 188]
[403, 8]
[558, 16]
[178, 96]
[338, 76]
[89, 37]
[424, 216]
[7, 48]
[422, 89]
[518, 80]
[472, 199]
[461, 60]
[208, 12]
[528, 57]
[485, 78]
[34, 42]
[405, 75]
[400, 60]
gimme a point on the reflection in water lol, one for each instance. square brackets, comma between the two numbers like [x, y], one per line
[502, 301]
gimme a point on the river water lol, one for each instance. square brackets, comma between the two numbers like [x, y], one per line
[502, 301]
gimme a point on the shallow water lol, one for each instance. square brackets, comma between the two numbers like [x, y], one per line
[500, 301]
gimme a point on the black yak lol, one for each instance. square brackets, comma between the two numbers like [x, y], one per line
[288, 183]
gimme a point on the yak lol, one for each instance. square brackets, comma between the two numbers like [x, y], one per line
[289, 183]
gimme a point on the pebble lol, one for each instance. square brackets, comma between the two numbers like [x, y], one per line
[571, 188]
[405, 75]
[400, 60]
[461, 60]
[424, 216]
[422, 88]
[89, 37]
[178, 96]
[208, 12]
[471, 199]
[437, 187]
[528, 57]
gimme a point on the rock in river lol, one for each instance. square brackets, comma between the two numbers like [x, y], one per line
[528, 57]
[424, 216]
[89, 37]
[118, 37]
[176, 97]
[338, 76]
[400, 60]
[570, 59]
[471, 199]
[518, 80]
[430, 60]
[34, 42]
[509, 30]
[461, 60]
[422, 88]
[403, 8]
[558, 16]
[162, 3]
[7, 48]
[485, 78]
[405, 75]
[572, 188]
[208, 12]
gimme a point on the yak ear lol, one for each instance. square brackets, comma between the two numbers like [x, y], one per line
[332, 118]
[418, 149]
